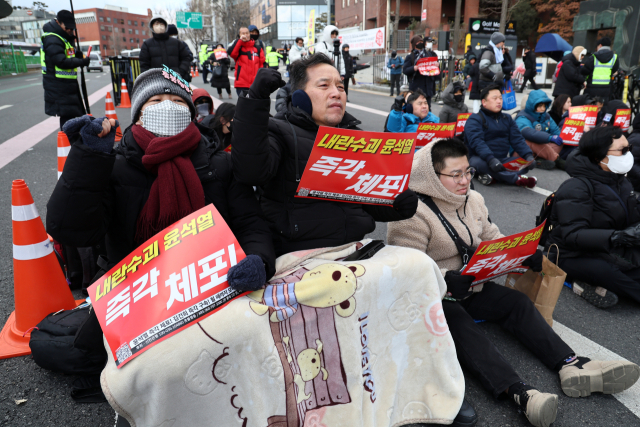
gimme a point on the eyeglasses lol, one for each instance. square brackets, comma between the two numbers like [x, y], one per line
[624, 150]
[457, 175]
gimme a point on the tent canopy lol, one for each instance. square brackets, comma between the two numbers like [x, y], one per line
[553, 45]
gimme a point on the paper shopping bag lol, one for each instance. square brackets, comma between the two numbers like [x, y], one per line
[543, 288]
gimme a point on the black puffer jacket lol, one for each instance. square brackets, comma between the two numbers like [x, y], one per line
[416, 80]
[264, 154]
[583, 221]
[61, 96]
[570, 79]
[221, 81]
[102, 195]
[162, 49]
[634, 139]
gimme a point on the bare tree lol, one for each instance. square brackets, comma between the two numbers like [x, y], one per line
[494, 8]
[233, 15]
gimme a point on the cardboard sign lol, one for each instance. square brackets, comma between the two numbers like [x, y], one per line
[502, 256]
[357, 166]
[432, 132]
[174, 279]
[572, 131]
[586, 113]
[461, 121]
[623, 119]
[220, 53]
[428, 66]
[516, 164]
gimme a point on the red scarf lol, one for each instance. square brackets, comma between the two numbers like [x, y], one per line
[177, 191]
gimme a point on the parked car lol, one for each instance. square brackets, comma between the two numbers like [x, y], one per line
[95, 62]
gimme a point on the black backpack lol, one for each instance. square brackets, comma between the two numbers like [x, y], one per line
[547, 208]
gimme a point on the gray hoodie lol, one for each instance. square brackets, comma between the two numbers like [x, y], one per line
[451, 108]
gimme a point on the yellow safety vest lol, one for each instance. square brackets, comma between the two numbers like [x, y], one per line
[602, 71]
[70, 52]
[273, 58]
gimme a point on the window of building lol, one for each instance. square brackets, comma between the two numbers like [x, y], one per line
[130, 31]
[123, 31]
[343, 4]
[108, 19]
[122, 21]
[142, 23]
[144, 33]
[124, 39]
[101, 19]
[137, 40]
[130, 40]
[101, 27]
[104, 46]
[129, 22]
[348, 1]
[137, 32]
[104, 37]
[135, 23]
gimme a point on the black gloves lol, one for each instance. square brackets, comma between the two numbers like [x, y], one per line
[406, 203]
[534, 261]
[266, 82]
[247, 275]
[399, 102]
[496, 165]
[89, 129]
[458, 286]
[79, 54]
[86, 61]
[628, 237]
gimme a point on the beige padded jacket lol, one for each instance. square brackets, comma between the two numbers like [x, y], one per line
[425, 232]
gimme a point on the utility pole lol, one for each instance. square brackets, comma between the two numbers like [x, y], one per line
[456, 39]
[396, 26]
[503, 15]
[388, 30]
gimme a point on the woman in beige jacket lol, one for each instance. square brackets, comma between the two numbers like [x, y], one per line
[442, 173]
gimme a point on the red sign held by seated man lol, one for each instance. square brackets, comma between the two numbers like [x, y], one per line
[572, 131]
[432, 132]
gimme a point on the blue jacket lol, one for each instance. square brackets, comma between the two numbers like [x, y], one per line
[537, 127]
[406, 122]
[499, 135]
[398, 62]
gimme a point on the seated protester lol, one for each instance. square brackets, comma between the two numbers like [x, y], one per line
[634, 140]
[273, 152]
[441, 176]
[453, 99]
[607, 114]
[415, 112]
[540, 132]
[162, 170]
[595, 218]
[560, 109]
[598, 101]
[204, 106]
[405, 93]
[222, 123]
[490, 135]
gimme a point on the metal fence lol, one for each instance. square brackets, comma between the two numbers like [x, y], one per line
[127, 68]
[12, 61]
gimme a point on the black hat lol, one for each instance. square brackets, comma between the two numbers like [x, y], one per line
[605, 41]
[172, 30]
[67, 18]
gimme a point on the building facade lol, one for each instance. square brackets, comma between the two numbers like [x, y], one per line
[11, 27]
[281, 21]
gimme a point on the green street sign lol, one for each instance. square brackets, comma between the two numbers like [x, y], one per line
[189, 20]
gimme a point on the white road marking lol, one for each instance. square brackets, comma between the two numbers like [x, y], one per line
[542, 191]
[583, 346]
[29, 80]
[2, 107]
[367, 109]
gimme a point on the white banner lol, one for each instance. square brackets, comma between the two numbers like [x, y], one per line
[368, 39]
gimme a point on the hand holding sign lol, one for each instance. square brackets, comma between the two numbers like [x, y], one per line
[516, 164]
[572, 131]
[428, 66]
[432, 132]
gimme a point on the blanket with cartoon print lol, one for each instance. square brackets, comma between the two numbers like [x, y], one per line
[325, 343]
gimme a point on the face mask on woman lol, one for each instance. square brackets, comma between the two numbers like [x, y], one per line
[420, 46]
[458, 98]
[202, 109]
[620, 164]
[393, 55]
[166, 118]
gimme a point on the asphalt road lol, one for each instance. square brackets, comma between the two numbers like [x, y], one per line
[513, 209]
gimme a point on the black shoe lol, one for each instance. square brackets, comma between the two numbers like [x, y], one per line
[545, 164]
[596, 295]
[561, 163]
[467, 416]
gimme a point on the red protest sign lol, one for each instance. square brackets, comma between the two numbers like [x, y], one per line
[220, 53]
[497, 257]
[172, 280]
[432, 132]
[586, 113]
[461, 121]
[623, 119]
[516, 164]
[572, 131]
[357, 166]
[428, 66]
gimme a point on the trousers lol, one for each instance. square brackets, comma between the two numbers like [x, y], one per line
[395, 82]
[508, 177]
[533, 83]
[548, 151]
[513, 311]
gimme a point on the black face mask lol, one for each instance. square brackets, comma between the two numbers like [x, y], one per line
[458, 98]
[420, 46]
[255, 36]
[393, 55]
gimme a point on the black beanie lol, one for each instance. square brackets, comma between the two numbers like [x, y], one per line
[605, 41]
[67, 18]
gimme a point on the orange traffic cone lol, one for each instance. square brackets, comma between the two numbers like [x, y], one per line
[197, 72]
[39, 286]
[125, 102]
[110, 112]
[63, 151]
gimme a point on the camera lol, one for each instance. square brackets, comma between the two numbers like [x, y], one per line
[336, 46]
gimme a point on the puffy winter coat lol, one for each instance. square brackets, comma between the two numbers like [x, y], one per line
[495, 138]
[249, 60]
[604, 55]
[221, 81]
[530, 65]
[407, 122]
[273, 153]
[61, 96]
[162, 49]
[296, 53]
[325, 45]
[451, 108]
[398, 62]
[102, 195]
[583, 219]
[570, 79]
[416, 80]
[348, 63]
[488, 68]
[281, 97]
[537, 127]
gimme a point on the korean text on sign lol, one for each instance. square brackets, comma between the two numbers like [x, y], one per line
[622, 119]
[358, 166]
[498, 257]
[572, 131]
[516, 164]
[428, 66]
[586, 113]
[432, 132]
[461, 122]
[174, 279]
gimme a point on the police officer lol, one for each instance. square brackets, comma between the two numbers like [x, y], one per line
[59, 61]
[273, 58]
[599, 68]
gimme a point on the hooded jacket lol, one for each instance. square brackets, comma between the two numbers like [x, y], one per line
[398, 62]
[582, 220]
[537, 127]
[468, 214]
[408, 122]
[605, 54]
[162, 49]
[61, 96]
[202, 93]
[570, 79]
[325, 45]
[273, 153]
[101, 195]
[451, 108]
[249, 60]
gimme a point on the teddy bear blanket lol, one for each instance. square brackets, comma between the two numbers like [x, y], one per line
[325, 343]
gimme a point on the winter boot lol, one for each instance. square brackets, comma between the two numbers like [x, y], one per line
[545, 164]
[580, 376]
[526, 181]
[485, 179]
[596, 295]
[539, 408]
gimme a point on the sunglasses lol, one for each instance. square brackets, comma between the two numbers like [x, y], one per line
[457, 175]
[624, 150]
